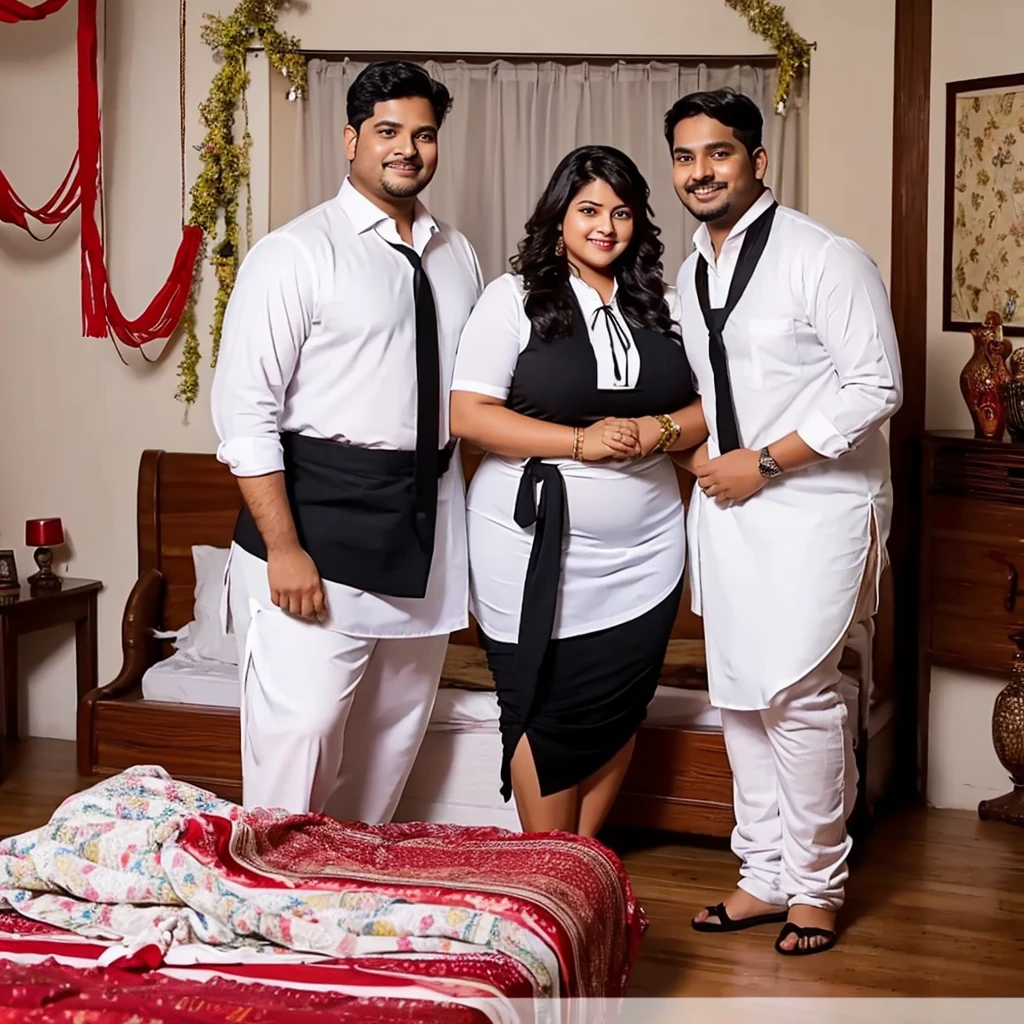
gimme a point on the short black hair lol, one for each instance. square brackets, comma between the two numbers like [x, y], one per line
[393, 80]
[733, 109]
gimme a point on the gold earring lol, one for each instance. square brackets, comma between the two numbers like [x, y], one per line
[560, 246]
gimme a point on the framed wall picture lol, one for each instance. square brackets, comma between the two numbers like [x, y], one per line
[983, 256]
[8, 570]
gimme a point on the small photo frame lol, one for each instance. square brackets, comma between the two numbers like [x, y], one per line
[8, 571]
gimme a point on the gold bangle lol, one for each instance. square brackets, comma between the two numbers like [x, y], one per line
[577, 443]
[670, 431]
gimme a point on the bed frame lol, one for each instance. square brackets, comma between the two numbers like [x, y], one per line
[679, 779]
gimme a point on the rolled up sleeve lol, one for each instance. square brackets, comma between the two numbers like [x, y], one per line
[269, 316]
[850, 312]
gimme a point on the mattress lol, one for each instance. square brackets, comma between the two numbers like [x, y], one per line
[455, 779]
[181, 679]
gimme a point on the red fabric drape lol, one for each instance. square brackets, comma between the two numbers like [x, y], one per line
[100, 312]
[101, 315]
[12, 11]
[54, 211]
[62, 203]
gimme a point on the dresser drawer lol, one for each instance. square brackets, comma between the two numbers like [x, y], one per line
[974, 596]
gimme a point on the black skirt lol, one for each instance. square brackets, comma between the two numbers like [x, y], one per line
[591, 697]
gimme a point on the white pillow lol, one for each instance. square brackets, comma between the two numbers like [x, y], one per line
[205, 639]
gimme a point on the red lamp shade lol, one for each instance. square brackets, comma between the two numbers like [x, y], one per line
[43, 533]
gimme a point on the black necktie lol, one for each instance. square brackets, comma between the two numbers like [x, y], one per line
[754, 241]
[428, 390]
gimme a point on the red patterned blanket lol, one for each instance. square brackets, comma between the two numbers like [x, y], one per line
[163, 876]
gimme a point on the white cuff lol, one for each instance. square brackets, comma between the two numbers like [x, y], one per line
[818, 432]
[480, 389]
[252, 456]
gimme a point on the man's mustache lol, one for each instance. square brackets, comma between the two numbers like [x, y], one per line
[694, 185]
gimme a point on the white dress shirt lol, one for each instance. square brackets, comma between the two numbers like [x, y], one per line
[626, 539]
[320, 338]
[811, 348]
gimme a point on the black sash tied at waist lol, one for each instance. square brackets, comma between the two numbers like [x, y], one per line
[540, 589]
[358, 513]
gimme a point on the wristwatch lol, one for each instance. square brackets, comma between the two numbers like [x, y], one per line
[767, 466]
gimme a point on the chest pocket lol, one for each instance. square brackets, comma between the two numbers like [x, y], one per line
[774, 355]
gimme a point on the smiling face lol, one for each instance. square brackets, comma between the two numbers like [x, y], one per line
[393, 156]
[714, 176]
[597, 227]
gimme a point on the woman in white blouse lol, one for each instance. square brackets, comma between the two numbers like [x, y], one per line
[571, 375]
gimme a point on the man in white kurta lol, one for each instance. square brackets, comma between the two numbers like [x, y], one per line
[320, 342]
[787, 530]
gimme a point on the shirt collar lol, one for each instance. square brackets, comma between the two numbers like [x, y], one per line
[367, 216]
[589, 298]
[702, 237]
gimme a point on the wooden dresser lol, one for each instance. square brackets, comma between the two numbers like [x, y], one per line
[972, 555]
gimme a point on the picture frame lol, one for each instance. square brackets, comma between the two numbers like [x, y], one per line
[983, 245]
[8, 570]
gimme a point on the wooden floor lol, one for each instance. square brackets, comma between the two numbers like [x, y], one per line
[935, 904]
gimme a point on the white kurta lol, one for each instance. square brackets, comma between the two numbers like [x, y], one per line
[811, 348]
[625, 545]
[320, 338]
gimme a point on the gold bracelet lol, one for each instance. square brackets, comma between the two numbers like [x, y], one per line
[577, 444]
[670, 431]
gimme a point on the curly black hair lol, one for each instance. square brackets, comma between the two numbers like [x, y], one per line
[639, 270]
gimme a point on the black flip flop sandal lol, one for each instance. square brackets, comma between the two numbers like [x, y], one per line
[805, 933]
[726, 924]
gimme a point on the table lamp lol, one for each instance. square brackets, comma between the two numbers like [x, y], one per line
[44, 534]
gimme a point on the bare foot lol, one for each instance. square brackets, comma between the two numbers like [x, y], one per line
[739, 905]
[804, 916]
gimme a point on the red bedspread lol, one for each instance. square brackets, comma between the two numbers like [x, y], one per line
[201, 899]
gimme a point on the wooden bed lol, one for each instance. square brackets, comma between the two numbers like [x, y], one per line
[679, 779]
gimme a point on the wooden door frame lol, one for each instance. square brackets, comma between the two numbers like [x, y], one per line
[909, 299]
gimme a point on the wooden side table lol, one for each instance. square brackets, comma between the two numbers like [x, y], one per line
[28, 609]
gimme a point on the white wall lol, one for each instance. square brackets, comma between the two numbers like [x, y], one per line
[973, 40]
[74, 419]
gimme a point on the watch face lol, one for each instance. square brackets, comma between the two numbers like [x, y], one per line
[768, 466]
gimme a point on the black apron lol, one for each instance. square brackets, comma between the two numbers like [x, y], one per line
[366, 516]
[356, 515]
[754, 241]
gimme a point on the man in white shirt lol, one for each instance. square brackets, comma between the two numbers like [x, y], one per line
[348, 568]
[788, 330]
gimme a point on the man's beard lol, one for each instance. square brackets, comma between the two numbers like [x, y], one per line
[705, 214]
[402, 189]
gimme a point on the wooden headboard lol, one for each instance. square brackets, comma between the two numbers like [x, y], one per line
[187, 499]
[183, 500]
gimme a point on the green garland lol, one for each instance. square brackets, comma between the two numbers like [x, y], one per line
[792, 51]
[225, 161]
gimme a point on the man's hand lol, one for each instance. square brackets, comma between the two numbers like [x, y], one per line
[731, 477]
[295, 585]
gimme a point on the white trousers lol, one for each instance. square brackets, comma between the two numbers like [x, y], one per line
[795, 782]
[331, 723]
[794, 786]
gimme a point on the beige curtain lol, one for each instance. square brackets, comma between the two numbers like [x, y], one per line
[512, 122]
